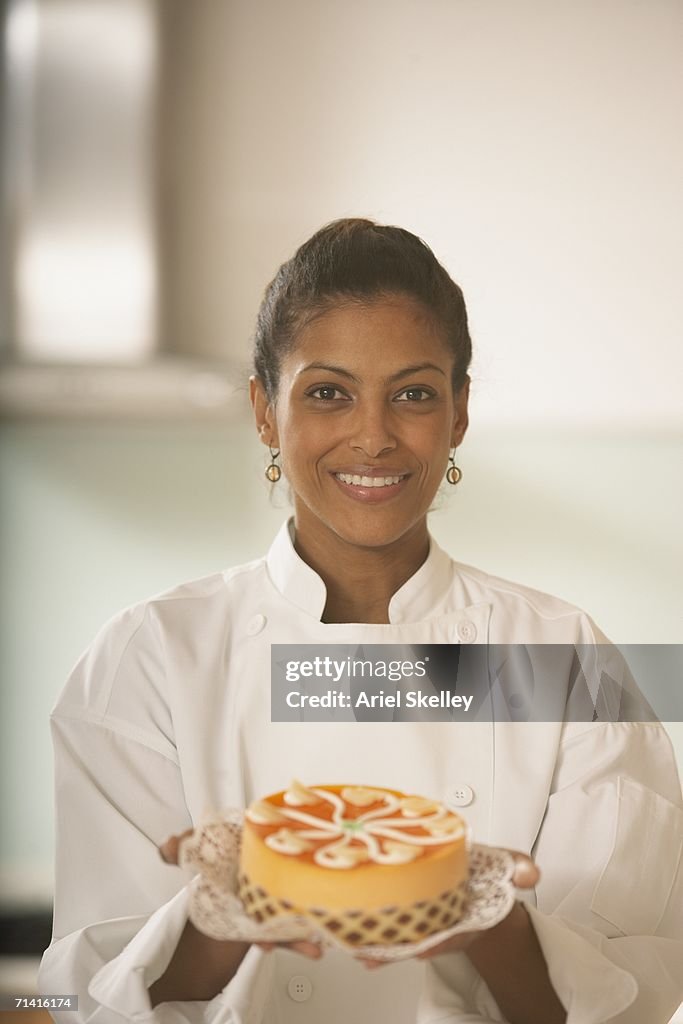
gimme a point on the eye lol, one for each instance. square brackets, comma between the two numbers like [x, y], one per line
[327, 393]
[414, 395]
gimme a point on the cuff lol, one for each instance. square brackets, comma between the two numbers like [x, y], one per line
[122, 984]
[589, 985]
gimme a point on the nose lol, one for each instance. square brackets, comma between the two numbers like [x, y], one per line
[371, 432]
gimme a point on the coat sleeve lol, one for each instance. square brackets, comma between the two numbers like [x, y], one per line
[119, 910]
[609, 906]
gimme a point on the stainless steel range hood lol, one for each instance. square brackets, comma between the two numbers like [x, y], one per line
[84, 326]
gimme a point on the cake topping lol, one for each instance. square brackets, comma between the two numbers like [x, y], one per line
[414, 806]
[400, 853]
[446, 826]
[263, 813]
[385, 834]
[286, 840]
[299, 795]
[341, 855]
[361, 796]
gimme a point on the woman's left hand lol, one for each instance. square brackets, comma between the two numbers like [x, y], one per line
[525, 876]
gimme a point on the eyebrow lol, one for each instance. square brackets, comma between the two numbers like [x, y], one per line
[406, 372]
[409, 370]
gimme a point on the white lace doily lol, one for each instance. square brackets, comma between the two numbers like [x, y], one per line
[212, 852]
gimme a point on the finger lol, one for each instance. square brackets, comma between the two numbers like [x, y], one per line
[526, 874]
[371, 965]
[310, 949]
[170, 848]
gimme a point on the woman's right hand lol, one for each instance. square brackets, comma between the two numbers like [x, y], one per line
[169, 851]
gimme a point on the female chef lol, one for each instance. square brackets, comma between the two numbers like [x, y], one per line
[360, 394]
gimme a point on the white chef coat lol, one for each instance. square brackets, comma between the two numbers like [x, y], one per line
[167, 717]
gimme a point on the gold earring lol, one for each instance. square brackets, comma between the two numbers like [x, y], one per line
[273, 471]
[453, 473]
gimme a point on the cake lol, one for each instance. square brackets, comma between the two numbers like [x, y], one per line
[370, 865]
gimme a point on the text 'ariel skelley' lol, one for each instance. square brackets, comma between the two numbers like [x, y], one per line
[352, 668]
[379, 699]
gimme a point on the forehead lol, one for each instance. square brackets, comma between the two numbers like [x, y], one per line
[381, 334]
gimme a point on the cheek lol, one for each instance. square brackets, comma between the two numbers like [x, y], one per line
[291, 435]
[302, 445]
[432, 449]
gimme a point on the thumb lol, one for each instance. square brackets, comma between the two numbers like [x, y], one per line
[170, 849]
[526, 873]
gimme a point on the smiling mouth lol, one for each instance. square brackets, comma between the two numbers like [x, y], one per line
[354, 480]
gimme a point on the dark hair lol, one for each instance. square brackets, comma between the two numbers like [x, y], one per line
[356, 260]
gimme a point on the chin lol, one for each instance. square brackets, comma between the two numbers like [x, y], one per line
[373, 532]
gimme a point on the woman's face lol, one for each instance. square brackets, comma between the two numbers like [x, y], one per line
[364, 417]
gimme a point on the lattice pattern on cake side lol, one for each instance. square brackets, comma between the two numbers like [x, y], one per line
[217, 910]
[386, 926]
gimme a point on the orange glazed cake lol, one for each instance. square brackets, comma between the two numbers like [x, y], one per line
[373, 866]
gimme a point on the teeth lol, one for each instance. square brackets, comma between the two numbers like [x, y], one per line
[368, 481]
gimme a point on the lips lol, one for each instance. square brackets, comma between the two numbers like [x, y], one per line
[370, 485]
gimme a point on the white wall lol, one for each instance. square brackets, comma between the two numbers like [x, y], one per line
[535, 145]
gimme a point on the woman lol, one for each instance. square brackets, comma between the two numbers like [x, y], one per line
[360, 393]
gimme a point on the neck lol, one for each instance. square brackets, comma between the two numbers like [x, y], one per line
[360, 581]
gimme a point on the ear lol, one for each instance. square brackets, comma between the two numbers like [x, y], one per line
[264, 413]
[460, 418]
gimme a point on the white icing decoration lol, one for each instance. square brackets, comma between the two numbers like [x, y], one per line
[340, 855]
[263, 813]
[362, 796]
[399, 853]
[406, 837]
[385, 839]
[415, 806]
[287, 841]
[298, 795]
[450, 826]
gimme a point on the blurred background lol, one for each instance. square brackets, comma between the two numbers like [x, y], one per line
[161, 159]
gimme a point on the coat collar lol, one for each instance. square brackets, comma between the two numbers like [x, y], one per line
[421, 597]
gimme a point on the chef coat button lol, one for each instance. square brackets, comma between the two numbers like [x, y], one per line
[467, 631]
[460, 796]
[299, 988]
[256, 624]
